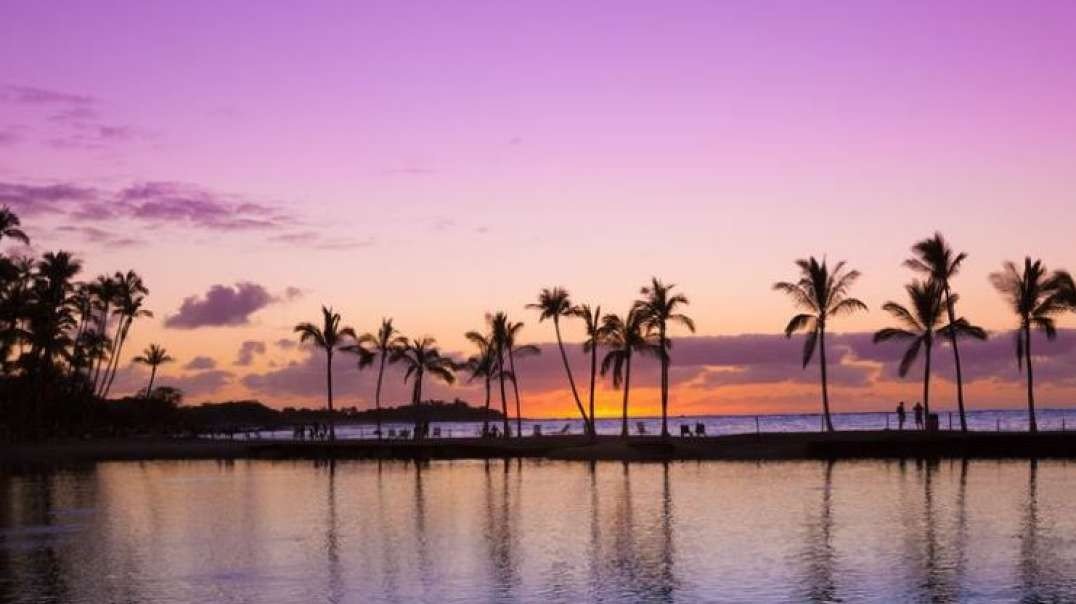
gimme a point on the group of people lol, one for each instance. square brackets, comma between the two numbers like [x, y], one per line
[315, 431]
[902, 415]
[700, 429]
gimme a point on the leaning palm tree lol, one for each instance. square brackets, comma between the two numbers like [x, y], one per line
[554, 303]
[592, 320]
[153, 356]
[482, 364]
[1035, 298]
[328, 337]
[658, 307]
[498, 326]
[934, 257]
[383, 343]
[822, 294]
[918, 326]
[624, 337]
[130, 296]
[515, 350]
[10, 226]
[421, 357]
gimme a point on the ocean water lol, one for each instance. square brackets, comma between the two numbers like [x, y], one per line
[1048, 419]
[540, 531]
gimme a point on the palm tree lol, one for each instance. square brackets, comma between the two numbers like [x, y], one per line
[105, 290]
[153, 356]
[383, 343]
[328, 337]
[918, 327]
[1035, 298]
[421, 357]
[934, 257]
[498, 325]
[482, 364]
[592, 320]
[10, 226]
[554, 303]
[659, 308]
[823, 294]
[517, 350]
[130, 308]
[624, 337]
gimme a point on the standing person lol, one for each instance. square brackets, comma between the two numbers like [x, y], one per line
[901, 415]
[918, 410]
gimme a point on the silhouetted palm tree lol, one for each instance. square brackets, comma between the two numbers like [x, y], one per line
[554, 303]
[105, 290]
[823, 294]
[328, 337]
[592, 321]
[498, 326]
[421, 357]
[153, 356]
[482, 364]
[1035, 298]
[130, 297]
[521, 351]
[918, 326]
[10, 226]
[659, 308]
[935, 258]
[383, 343]
[624, 337]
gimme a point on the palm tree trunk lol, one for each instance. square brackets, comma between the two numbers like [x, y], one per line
[152, 376]
[926, 383]
[515, 389]
[956, 360]
[119, 351]
[103, 328]
[664, 382]
[1032, 426]
[627, 388]
[825, 382]
[485, 419]
[593, 376]
[416, 402]
[377, 394]
[504, 399]
[571, 380]
[329, 391]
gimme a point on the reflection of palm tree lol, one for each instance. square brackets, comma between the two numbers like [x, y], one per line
[820, 558]
[822, 294]
[935, 258]
[1035, 298]
[592, 319]
[328, 337]
[554, 303]
[153, 356]
[420, 357]
[383, 343]
[482, 364]
[624, 337]
[918, 327]
[659, 307]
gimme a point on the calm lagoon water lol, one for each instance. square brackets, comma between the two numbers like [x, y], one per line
[537, 531]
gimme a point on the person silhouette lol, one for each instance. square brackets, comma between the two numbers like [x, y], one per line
[901, 415]
[918, 410]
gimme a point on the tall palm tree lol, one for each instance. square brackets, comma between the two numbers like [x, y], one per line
[659, 308]
[822, 294]
[328, 337]
[934, 257]
[10, 226]
[498, 325]
[421, 357]
[105, 290]
[554, 303]
[919, 324]
[129, 309]
[482, 364]
[1036, 298]
[383, 343]
[153, 356]
[624, 337]
[592, 320]
[521, 351]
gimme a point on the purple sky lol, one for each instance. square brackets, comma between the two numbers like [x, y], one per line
[433, 161]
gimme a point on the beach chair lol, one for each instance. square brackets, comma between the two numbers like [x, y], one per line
[640, 427]
[685, 430]
[567, 428]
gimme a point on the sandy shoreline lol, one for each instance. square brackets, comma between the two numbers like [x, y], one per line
[840, 445]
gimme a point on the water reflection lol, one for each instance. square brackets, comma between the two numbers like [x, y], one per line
[541, 531]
